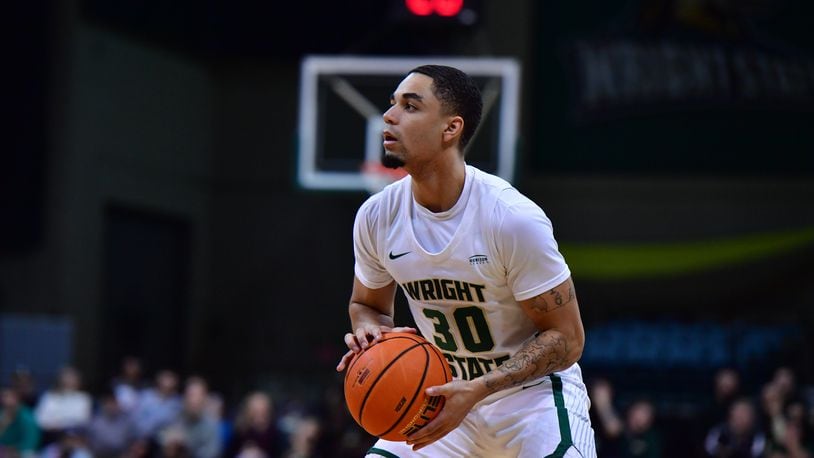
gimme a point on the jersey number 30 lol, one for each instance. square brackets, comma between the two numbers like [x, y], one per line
[472, 327]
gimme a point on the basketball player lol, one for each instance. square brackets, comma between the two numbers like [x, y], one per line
[485, 282]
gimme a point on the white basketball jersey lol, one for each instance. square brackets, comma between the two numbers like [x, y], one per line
[464, 298]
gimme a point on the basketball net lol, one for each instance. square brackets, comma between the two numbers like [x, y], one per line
[377, 176]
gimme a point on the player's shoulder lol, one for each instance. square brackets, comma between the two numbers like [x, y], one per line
[487, 182]
[507, 198]
[386, 201]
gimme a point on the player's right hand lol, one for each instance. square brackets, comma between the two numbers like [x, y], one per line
[364, 337]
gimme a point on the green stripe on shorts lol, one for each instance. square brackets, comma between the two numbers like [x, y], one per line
[381, 452]
[562, 418]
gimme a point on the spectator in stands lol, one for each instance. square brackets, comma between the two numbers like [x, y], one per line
[605, 420]
[785, 382]
[173, 442]
[141, 448]
[773, 419]
[739, 436]
[23, 383]
[727, 390]
[810, 404]
[215, 410]
[111, 431]
[157, 407]
[641, 440]
[796, 440]
[196, 424]
[255, 428]
[795, 444]
[63, 407]
[19, 434]
[128, 384]
[304, 439]
[71, 443]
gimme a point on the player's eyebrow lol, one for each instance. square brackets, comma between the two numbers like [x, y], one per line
[407, 95]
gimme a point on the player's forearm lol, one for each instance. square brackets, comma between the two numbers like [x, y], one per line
[361, 315]
[547, 352]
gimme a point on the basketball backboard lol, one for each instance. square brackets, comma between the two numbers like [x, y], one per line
[340, 119]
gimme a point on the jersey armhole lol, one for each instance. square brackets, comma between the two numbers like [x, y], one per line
[543, 287]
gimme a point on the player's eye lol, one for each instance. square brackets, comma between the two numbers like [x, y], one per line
[409, 107]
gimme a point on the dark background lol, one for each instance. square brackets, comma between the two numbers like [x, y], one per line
[148, 194]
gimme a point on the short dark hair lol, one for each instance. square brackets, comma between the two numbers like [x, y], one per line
[458, 94]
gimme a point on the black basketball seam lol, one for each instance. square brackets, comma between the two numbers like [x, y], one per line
[383, 371]
[444, 362]
[444, 365]
[418, 389]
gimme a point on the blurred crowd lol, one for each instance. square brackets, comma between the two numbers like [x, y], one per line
[167, 417]
[170, 417]
[776, 422]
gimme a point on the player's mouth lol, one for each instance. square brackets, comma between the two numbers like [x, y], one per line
[389, 139]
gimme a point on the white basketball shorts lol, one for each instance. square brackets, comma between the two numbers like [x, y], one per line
[547, 418]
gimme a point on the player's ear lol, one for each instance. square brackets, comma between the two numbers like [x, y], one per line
[454, 128]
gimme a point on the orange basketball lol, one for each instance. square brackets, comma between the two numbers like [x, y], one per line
[384, 385]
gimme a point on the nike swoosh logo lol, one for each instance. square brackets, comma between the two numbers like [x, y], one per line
[396, 256]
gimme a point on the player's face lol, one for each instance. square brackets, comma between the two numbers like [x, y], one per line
[414, 122]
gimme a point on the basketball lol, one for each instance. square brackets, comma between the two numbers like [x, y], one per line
[385, 384]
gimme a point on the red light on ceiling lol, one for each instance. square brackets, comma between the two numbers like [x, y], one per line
[445, 8]
[420, 7]
[448, 7]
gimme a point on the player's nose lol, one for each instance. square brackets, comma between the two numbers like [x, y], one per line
[389, 116]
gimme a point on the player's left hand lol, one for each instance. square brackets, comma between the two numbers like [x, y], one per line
[459, 396]
[364, 337]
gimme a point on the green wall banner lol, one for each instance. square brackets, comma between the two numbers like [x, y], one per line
[627, 261]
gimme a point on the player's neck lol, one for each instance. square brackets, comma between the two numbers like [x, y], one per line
[437, 186]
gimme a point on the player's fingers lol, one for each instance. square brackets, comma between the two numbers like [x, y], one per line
[439, 390]
[343, 363]
[420, 436]
[404, 329]
[361, 337]
[352, 343]
[441, 430]
[376, 333]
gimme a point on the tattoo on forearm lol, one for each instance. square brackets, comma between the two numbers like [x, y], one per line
[540, 356]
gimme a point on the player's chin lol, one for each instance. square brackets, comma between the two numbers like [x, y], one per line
[391, 160]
